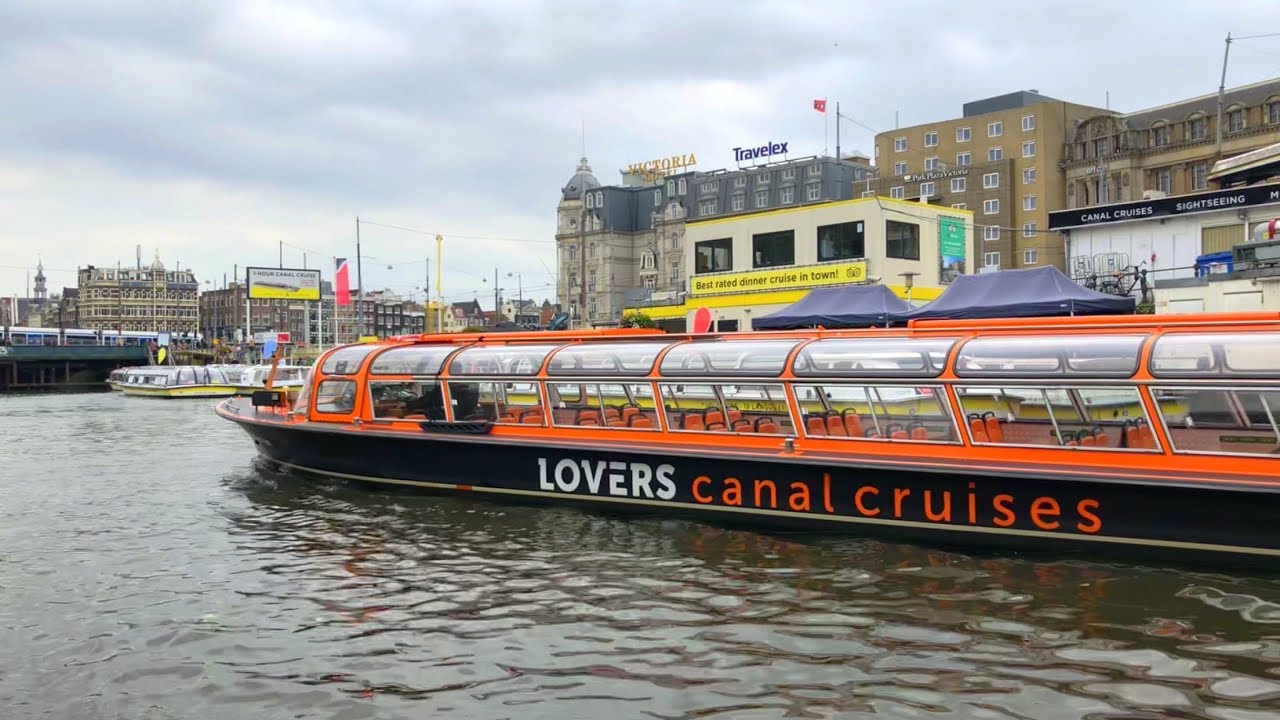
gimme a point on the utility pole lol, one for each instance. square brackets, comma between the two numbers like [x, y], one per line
[426, 300]
[281, 254]
[582, 259]
[497, 307]
[359, 286]
[439, 285]
[1222, 90]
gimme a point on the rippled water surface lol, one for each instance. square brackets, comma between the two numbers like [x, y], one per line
[149, 568]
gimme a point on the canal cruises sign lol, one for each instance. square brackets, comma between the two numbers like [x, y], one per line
[1166, 206]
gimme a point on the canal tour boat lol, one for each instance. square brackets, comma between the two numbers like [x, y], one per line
[175, 381]
[1139, 433]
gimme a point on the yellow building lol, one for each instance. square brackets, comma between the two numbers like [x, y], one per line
[753, 264]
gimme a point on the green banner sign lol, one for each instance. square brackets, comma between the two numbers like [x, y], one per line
[952, 241]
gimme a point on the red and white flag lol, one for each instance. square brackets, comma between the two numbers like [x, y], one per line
[820, 105]
[342, 283]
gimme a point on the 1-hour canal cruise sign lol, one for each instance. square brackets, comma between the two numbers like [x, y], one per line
[1165, 207]
[283, 284]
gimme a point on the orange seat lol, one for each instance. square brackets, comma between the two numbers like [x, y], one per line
[978, 429]
[835, 426]
[508, 418]
[693, 422]
[1088, 441]
[815, 425]
[415, 416]
[611, 413]
[628, 411]
[1100, 438]
[994, 431]
[852, 424]
[714, 416]
[734, 415]
[1145, 436]
[533, 417]
[919, 433]
[1132, 437]
[716, 427]
[639, 421]
[898, 435]
[766, 425]
[1071, 443]
[617, 422]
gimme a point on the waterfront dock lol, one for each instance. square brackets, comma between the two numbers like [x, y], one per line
[63, 368]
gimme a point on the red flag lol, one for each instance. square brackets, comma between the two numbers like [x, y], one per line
[820, 105]
[342, 283]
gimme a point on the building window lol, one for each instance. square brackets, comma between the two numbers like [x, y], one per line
[900, 144]
[991, 259]
[1235, 121]
[991, 180]
[1273, 113]
[1101, 147]
[1199, 176]
[959, 206]
[738, 203]
[788, 195]
[671, 187]
[991, 232]
[990, 207]
[899, 168]
[1028, 202]
[675, 271]
[657, 198]
[1028, 176]
[898, 192]
[995, 129]
[762, 198]
[591, 282]
[963, 134]
[774, 249]
[591, 201]
[707, 207]
[931, 139]
[843, 241]
[675, 241]
[926, 189]
[1197, 129]
[901, 240]
[957, 185]
[1028, 122]
[1029, 149]
[994, 154]
[1163, 180]
[813, 191]
[1030, 256]
[599, 199]
[1028, 230]
[683, 188]
[789, 173]
[931, 163]
[1160, 136]
[964, 158]
[713, 255]
[763, 177]
[740, 182]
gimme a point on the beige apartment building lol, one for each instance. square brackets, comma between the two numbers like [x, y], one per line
[1001, 161]
[138, 298]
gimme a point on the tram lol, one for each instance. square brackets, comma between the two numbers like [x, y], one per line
[16, 335]
[1154, 434]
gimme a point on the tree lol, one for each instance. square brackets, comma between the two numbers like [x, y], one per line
[637, 320]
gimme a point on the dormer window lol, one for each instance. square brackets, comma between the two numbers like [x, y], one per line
[591, 201]
[599, 199]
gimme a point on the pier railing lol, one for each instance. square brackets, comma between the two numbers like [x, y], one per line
[31, 353]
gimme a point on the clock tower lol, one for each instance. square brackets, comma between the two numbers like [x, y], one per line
[570, 239]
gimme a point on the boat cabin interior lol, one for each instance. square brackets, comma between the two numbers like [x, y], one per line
[1130, 384]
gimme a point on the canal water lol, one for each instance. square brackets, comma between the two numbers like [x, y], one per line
[149, 568]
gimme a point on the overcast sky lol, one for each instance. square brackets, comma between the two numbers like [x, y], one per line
[210, 130]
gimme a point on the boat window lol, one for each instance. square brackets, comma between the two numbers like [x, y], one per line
[1080, 355]
[624, 358]
[629, 406]
[336, 396]
[521, 404]
[412, 360]
[1238, 421]
[1211, 354]
[1099, 418]
[727, 408]
[187, 376]
[874, 357]
[876, 412]
[728, 357]
[412, 400]
[347, 360]
[304, 395]
[500, 360]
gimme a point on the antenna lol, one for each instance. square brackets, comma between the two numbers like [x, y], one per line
[584, 137]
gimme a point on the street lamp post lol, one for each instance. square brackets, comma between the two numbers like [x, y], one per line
[908, 280]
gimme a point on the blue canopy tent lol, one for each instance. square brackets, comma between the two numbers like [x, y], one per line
[850, 306]
[1038, 292]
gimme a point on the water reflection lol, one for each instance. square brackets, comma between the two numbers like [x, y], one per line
[481, 608]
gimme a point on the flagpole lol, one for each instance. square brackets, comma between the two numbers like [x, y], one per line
[359, 287]
[826, 125]
[837, 131]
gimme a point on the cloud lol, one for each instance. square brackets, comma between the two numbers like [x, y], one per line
[212, 130]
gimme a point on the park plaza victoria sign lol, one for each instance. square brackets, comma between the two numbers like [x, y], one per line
[936, 175]
[1166, 207]
[651, 170]
[283, 284]
[790, 278]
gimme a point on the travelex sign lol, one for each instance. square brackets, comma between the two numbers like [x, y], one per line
[766, 150]
[1164, 207]
[779, 279]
